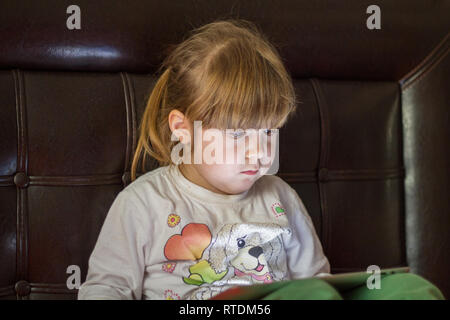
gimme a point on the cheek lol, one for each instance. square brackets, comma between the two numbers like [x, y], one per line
[234, 153]
[211, 173]
[218, 172]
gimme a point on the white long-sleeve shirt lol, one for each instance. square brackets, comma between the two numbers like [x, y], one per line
[167, 238]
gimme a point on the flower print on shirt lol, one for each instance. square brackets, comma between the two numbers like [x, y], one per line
[169, 267]
[170, 295]
[173, 220]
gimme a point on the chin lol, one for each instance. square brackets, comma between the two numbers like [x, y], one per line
[243, 188]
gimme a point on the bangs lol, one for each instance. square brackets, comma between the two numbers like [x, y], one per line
[241, 89]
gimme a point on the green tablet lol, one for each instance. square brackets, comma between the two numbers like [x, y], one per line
[340, 281]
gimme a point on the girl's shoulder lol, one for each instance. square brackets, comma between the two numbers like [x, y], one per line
[151, 187]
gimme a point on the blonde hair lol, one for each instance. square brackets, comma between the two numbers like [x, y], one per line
[226, 74]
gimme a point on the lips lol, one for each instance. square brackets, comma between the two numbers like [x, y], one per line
[250, 172]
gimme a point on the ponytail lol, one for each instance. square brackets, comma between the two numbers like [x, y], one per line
[153, 127]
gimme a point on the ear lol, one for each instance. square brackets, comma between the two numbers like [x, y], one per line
[277, 259]
[180, 126]
[217, 253]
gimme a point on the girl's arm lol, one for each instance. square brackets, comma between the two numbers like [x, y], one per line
[116, 266]
[304, 251]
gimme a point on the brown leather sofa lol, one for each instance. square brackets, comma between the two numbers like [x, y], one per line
[368, 150]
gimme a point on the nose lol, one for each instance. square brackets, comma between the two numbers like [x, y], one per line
[254, 150]
[255, 251]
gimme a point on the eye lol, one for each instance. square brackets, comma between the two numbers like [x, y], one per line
[269, 132]
[241, 243]
[237, 134]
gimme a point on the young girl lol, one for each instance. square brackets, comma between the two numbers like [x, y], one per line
[192, 230]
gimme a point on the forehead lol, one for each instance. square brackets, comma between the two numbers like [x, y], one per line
[239, 125]
[198, 125]
[252, 131]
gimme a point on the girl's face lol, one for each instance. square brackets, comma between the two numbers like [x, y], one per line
[223, 161]
[231, 161]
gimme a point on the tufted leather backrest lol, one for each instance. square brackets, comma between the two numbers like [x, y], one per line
[367, 151]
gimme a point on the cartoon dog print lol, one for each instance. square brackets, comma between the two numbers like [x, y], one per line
[253, 252]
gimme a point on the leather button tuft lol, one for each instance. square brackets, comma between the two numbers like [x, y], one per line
[126, 178]
[21, 180]
[323, 174]
[22, 288]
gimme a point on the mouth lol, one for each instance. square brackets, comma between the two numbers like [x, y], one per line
[250, 172]
[259, 267]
